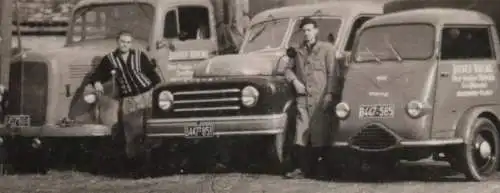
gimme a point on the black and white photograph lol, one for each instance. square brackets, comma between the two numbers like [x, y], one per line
[249, 96]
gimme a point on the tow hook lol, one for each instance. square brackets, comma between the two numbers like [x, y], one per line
[37, 143]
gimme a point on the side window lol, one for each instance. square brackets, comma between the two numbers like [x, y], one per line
[466, 43]
[194, 22]
[355, 27]
[328, 29]
[170, 27]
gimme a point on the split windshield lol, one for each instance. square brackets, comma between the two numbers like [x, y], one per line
[105, 21]
[266, 35]
[395, 42]
[271, 34]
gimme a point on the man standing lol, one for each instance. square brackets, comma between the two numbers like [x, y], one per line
[312, 73]
[135, 77]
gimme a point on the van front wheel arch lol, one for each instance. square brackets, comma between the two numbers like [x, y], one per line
[478, 157]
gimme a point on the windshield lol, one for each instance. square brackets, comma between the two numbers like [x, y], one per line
[395, 42]
[328, 28]
[266, 35]
[105, 21]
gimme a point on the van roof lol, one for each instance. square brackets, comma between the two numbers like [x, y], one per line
[337, 8]
[436, 16]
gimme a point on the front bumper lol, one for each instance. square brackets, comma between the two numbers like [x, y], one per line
[223, 126]
[407, 143]
[84, 130]
[376, 137]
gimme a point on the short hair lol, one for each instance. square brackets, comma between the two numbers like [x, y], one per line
[122, 33]
[308, 20]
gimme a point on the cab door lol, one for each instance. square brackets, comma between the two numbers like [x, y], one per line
[466, 74]
[188, 36]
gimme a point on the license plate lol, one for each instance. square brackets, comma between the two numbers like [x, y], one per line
[376, 111]
[202, 130]
[18, 121]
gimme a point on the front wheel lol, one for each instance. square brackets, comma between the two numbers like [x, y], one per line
[478, 157]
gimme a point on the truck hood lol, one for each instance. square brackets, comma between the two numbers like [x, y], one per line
[250, 64]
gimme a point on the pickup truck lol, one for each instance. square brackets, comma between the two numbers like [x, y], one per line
[245, 95]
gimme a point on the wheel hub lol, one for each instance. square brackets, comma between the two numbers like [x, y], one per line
[485, 149]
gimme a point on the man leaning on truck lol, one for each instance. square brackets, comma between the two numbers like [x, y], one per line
[135, 78]
[311, 71]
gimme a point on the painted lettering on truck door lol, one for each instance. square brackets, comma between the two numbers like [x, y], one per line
[467, 74]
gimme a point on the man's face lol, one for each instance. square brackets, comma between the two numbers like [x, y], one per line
[124, 43]
[454, 33]
[310, 32]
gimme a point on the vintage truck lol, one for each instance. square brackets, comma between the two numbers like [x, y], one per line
[49, 105]
[422, 81]
[245, 94]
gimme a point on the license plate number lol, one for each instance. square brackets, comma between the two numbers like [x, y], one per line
[202, 130]
[376, 111]
[18, 121]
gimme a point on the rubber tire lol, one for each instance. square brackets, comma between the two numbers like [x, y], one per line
[464, 154]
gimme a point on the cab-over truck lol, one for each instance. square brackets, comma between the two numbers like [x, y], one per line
[422, 81]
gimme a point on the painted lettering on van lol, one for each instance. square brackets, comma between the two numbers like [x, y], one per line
[474, 79]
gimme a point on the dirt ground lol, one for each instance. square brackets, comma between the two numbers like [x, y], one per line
[414, 178]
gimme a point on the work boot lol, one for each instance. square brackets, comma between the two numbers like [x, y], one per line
[303, 161]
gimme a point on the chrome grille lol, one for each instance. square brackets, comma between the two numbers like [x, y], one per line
[32, 99]
[373, 137]
[206, 101]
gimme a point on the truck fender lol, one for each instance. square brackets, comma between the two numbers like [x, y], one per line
[287, 106]
[467, 120]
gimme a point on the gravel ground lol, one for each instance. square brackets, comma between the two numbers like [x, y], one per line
[414, 178]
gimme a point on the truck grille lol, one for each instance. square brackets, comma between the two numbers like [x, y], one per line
[31, 97]
[372, 138]
[208, 101]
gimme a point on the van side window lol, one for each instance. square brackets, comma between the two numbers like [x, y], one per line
[170, 27]
[355, 27]
[466, 43]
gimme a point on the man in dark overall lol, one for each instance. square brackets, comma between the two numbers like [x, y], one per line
[312, 73]
[135, 78]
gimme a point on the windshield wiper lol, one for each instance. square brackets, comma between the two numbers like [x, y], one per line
[259, 32]
[375, 56]
[394, 51]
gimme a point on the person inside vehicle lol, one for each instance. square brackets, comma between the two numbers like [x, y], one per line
[452, 45]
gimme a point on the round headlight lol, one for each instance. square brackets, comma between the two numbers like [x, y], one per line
[90, 98]
[342, 110]
[165, 100]
[414, 108]
[249, 96]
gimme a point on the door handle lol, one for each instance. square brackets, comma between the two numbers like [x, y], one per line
[444, 74]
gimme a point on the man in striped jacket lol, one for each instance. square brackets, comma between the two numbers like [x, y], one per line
[135, 77]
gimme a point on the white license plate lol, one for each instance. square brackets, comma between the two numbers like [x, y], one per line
[202, 130]
[376, 111]
[18, 121]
